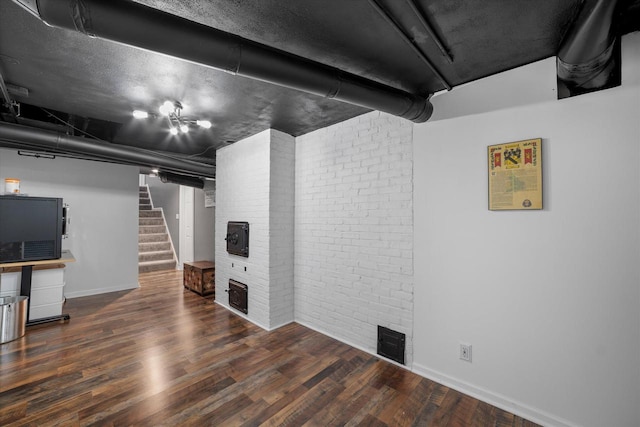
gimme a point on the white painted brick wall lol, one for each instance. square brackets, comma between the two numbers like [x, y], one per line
[354, 229]
[281, 222]
[254, 183]
[242, 194]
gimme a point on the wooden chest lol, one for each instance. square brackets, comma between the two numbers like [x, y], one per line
[199, 276]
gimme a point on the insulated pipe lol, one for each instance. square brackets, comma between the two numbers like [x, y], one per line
[143, 27]
[173, 178]
[16, 135]
[394, 24]
[585, 58]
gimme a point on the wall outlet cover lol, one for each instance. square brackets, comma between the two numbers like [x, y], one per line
[465, 352]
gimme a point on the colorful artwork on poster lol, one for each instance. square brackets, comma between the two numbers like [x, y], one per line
[515, 175]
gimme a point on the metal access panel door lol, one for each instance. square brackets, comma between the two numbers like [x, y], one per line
[391, 344]
[238, 238]
[238, 296]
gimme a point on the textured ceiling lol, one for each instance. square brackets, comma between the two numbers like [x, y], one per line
[78, 78]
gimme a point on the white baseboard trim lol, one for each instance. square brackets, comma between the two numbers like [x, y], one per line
[273, 328]
[98, 291]
[518, 408]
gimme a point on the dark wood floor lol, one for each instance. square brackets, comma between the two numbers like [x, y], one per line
[160, 355]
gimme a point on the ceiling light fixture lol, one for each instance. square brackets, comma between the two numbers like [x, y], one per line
[177, 123]
[139, 114]
[203, 123]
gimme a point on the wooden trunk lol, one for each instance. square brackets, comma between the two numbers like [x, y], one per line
[199, 277]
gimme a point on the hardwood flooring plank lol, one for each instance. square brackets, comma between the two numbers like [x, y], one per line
[371, 421]
[378, 400]
[222, 413]
[12, 412]
[276, 406]
[347, 406]
[409, 409]
[504, 419]
[446, 409]
[484, 415]
[462, 413]
[302, 409]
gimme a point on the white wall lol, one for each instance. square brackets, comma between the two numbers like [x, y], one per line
[281, 229]
[521, 86]
[549, 299]
[104, 217]
[204, 225]
[245, 180]
[353, 229]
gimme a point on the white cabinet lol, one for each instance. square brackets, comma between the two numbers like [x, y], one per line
[47, 291]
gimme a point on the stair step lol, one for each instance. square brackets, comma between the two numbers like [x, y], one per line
[154, 246]
[151, 221]
[153, 213]
[145, 201]
[155, 237]
[146, 266]
[151, 229]
[142, 188]
[144, 207]
[155, 256]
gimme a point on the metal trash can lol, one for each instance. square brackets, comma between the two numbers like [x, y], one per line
[13, 318]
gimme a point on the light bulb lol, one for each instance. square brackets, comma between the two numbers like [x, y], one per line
[166, 108]
[204, 123]
[139, 114]
[173, 131]
[184, 128]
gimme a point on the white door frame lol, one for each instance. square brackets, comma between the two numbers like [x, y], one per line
[187, 225]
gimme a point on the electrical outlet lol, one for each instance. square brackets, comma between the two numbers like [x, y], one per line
[465, 352]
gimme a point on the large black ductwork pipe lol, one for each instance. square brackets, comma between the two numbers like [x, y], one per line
[140, 26]
[586, 60]
[173, 178]
[16, 136]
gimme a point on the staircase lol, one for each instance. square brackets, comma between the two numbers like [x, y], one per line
[155, 250]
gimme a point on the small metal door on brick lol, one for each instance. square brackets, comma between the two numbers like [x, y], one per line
[238, 293]
[238, 238]
[391, 344]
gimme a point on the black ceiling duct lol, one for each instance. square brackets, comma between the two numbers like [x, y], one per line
[18, 136]
[141, 26]
[173, 178]
[589, 57]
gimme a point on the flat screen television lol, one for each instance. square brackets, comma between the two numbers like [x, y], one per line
[30, 228]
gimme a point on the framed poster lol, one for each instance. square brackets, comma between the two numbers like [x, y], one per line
[515, 175]
[209, 198]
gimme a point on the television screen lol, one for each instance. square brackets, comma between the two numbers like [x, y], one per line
[30, 228]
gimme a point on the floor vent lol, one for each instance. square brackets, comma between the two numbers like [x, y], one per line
[391, 344]
[238, 296]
